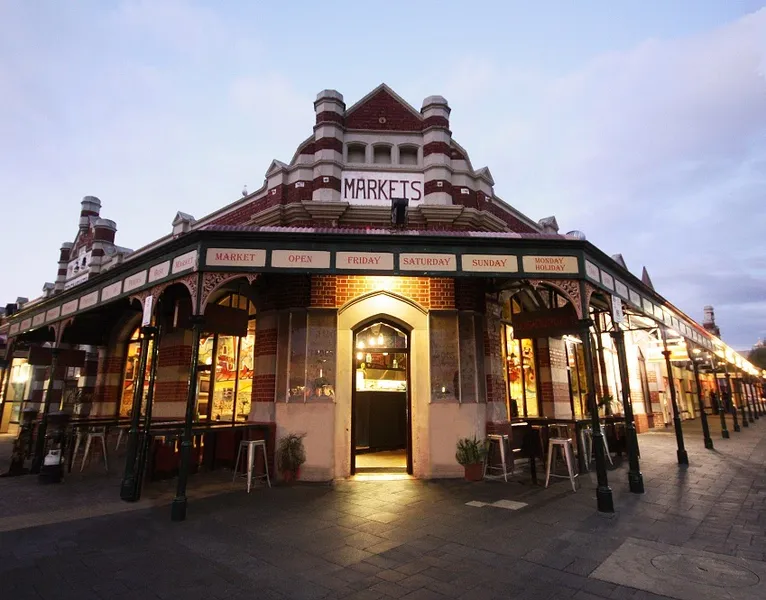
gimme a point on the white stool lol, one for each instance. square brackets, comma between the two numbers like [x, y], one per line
[502, 440]
[121, 432]
[251, 445]
[565, 446]
[586, 438]
[99, 434]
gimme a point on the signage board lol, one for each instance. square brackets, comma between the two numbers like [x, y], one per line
[553, 322]
[53, 313]
[378, 187]
[41, 356]
[38, 319]
[69, 307]
[372, 261]
[88, 300]
[111, 291]
[427, 262]
[490, 263]
[134, 281]
[235, 257]
[302, 259]
[550, 264]
[159, 271]
[226, 320]
[146, 319]
[617, 315]
[185, 262]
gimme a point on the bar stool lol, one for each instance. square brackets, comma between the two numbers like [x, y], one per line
[97, 434]
[586, 438]
[501, 440]
[120, 433]
[564, 445]
[251, 446]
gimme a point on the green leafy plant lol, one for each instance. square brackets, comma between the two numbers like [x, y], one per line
[290, 452]
[471, 451]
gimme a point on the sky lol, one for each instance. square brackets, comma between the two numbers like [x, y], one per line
[640, 123]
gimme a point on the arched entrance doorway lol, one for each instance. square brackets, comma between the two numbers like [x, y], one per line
[381, 416]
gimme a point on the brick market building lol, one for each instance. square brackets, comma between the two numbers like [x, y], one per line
[375, 294]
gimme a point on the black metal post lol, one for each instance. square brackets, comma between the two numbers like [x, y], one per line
[744, 400]
[721, 410]
[703, 414]
[178, 508]
[635, 478]
[37, 460]
[730, 391]
[683, 457]
[756, 403]
[751, 393]
[144, 449]
[130, 483]
[604, 500]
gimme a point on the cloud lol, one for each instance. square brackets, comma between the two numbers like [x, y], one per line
[656, 152]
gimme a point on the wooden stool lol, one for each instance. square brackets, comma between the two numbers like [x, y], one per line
[565, 447]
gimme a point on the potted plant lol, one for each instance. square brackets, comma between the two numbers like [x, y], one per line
[291, 455]
[471, 453]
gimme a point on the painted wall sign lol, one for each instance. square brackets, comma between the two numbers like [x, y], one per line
[159, 271]
[370, 187]
[76, 281]
[235, 257]
[53, 313]
[69, 307]
[607, 280]
[495, 263]
[134, 281]
[111, 291]
[635, 298]
[300, 259]
[591, 270]
[427, 262]
[14, 329]
[617, 315]
[621, 288]
[550, 264]
[26, 323]
[374, 261]
[185, 262]
[38, 319]
[88, 300]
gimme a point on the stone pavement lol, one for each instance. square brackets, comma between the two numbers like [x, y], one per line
[698, 531]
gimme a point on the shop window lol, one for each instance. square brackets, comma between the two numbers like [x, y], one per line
[130, 374]
[356, 153]
[381, 155]
[408, 155]
[19, 384]
[521, 376]
[578, 387]
[225, 369]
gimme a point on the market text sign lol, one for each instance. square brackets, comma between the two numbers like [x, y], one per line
[300, 259]
[185, 262]
[550, 264]
[490, 263]
[366, 187]
[235, 257]
[373, 261]
[427, 262]
[545, 323]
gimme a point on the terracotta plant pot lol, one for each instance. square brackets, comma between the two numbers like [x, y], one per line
[474, 472]
[290, 476]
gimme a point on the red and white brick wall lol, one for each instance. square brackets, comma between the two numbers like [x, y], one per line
[171, 386]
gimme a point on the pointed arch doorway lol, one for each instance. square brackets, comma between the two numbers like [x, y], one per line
[381, 415]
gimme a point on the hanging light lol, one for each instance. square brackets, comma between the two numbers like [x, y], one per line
[360, 345]
[380, 339]
[372, 341]
[359, 356]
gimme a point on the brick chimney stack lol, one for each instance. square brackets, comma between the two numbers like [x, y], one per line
[708, 322]
[437, 161]
[91, 207]
[64, 258]
[104, 231]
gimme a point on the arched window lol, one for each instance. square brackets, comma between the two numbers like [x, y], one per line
[130, 373]
[521, 367]
[225, 369]
[356, 153]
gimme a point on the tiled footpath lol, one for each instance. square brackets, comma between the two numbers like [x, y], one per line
[401, 539]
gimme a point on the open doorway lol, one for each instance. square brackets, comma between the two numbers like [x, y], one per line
[380, 421]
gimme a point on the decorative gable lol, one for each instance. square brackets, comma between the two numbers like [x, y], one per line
[383, 111]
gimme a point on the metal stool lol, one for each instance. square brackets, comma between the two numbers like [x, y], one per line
[99, 434]
[122, 431]
[586, 438]
[251, 445]
[502, 440]
[565, 446]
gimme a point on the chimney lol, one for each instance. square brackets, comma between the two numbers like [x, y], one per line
[437, 172]
[708, 321]
[64, 257]
[90, 207]
[104, 231]
[549, 225]
[182, 223]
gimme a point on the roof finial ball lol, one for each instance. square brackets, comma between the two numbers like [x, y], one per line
[244, 190]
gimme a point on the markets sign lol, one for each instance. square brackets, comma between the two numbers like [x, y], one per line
[545, 323]
[377, 188]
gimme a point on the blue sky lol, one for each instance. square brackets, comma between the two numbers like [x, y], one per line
[641, 123]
